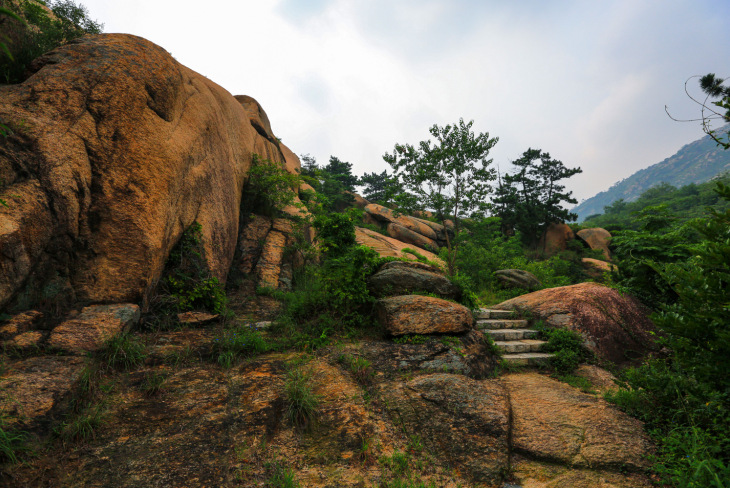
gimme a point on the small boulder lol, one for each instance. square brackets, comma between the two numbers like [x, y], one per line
[93, 327]
[197, 319]
[402, 278]
[556, 238]
[415, 314]
[597, 239]
[615, 327]
[517, 278]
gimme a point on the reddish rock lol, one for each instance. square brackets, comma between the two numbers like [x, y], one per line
[268, 268]
[556, 422]
[415, 314]
[116, 150]
[596, 269]
[26, 341]
[529, 473]
[615, 327]
[461, 421]
[601, 379]
[402, 234]
[197, 319]
[402, 278]
[556, 238]
[384, 214]
[358, 201]
[388, 247]
[252, 235]
[93, 327]
[597, 239]
[32, 387]
[17, 324]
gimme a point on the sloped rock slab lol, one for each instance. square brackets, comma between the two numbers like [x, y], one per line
[464, 422]
[469, 355]
[93, 327]
[415, 314]
[534, 474]
[553, 421]
[401, 278]
[20, 323]
[31, 388]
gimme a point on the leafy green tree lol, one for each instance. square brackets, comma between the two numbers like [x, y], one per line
[380, 188]
[713, 86]
[531, 199]
[450, 176]
[41, 32]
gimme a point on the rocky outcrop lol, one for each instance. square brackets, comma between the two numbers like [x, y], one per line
[412, 230]
[388, 247]
[597, 239]
[556, 238]
[596, 269]
[615, 327]
[408, 236]
[518, 278]
[463, 421]
[416, 314]
[116, 149]
[554, 422]
[403, 278]
[93, 327]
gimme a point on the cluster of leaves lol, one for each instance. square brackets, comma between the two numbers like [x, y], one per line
[685, 398]
[333, 182]
[679, 204]
[186, 284]
[36, 31]
[529, 200]
[237, 342]
[566, 346]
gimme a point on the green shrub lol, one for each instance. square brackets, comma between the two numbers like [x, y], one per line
[361, 368]
[12, 442]
[241, 341]
[301, 401]
[566, 346]
[280, 476]
[83, 425]
[124, 351]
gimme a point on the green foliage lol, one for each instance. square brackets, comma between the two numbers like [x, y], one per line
[567, 346]
[41, 33]
[12, 442]
[271, 188]
[82, 426]
[335, 233]
[186, 284]
[450, 177]
[241, 341]
[531, 199]
[301, 401]
[713, 87]
[153, 383]
[333, 182]
[124, 351]
[380, 188]
[361, 368]
[280, 476]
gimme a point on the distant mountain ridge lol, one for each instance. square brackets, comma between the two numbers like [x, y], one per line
[697, 162]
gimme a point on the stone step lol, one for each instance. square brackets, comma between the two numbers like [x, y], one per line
[527, 358]
[525, 345]
[486, 313]
[511, 334]
[485, 324]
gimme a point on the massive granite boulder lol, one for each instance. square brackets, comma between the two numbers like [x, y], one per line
[115, 150]
[615, 327]
[597, 239]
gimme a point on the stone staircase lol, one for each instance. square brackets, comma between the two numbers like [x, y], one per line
[512, 336]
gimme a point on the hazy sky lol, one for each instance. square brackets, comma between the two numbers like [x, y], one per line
[584, 80]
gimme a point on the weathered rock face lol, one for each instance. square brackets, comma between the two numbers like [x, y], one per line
[93, 327]
[517, 278]
[402, 278]
[614, 326]
[477, 442]
[388, 247]
[595, 268]
[556, 238]
[555, 422]
[596, 238]
[415, 314]
[419, 232]
[116, 150]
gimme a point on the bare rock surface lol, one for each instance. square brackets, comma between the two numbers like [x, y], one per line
[116, 150]
[403, 234]
[555, 422]
[596, 238]
[93, 327]
[32, 387]
[416, 314]
[556, 238]
[465, 422]
[388, 247]
[615, 327]
[535, 474]
[384, 214]
[19, 323]
[518, 278]
[401, 278]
